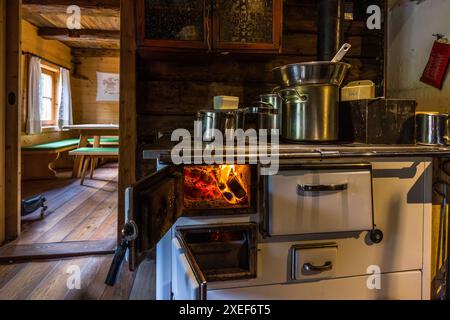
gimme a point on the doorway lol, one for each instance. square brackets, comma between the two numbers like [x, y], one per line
[67, 202]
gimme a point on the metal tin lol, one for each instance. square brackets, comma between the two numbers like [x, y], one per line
[431, 128]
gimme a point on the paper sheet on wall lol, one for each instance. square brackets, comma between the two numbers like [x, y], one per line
[108, 86]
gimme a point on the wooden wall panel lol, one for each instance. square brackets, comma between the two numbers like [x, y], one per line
[2, 118]
[86, 108]
[55, 52]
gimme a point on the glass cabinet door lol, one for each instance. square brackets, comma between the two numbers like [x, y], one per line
[174, 23]
[247, 24]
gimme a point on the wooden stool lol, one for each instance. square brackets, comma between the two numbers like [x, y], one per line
[89, 156]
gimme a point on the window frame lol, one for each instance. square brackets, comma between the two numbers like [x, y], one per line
[55, 75]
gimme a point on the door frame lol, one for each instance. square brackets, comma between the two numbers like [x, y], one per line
[12, 116]
[2, 117]
[127, 110]
[13, 101]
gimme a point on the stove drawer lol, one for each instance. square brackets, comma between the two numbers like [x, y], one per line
[317, 199]
[313, 262]
[393, 286]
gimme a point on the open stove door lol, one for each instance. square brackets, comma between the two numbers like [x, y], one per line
[152, 206]
[188, 281]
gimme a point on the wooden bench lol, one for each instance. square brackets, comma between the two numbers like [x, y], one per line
[38, 162]
[106, 141]
[90, 156]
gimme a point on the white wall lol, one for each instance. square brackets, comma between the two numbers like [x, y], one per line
[410, 40]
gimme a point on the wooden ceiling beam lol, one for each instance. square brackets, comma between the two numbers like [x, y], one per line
[62, 34]
[88, 52]
[58, 9]
[88, 4]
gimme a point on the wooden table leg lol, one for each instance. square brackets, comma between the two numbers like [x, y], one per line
[85, 167]
[77, 163]
[97, 144]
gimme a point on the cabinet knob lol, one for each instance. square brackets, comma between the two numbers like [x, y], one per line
[376, 235]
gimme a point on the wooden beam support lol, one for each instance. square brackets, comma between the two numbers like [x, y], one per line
[59, 9]
[62, 34]
[90, 52]
[91, 4]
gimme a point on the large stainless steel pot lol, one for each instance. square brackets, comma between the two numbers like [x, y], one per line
[319, 72]
[220, 120]
[431, 128]
[310, 113]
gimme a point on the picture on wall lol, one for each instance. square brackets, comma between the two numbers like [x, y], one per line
[108, 86]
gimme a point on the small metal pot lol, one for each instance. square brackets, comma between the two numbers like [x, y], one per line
[276, 103]
[220, 120]
[431, 128]
[261, 117]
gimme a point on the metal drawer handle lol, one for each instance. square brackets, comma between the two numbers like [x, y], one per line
[321, 187]
[308, 267]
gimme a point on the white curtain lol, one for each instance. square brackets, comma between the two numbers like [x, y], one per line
[65, 116]
[34, 97]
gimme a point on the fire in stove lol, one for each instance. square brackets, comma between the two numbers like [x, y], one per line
[217, 186]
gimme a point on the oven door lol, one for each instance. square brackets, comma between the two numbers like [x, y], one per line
[152, 206]
[188, 281]
[210, 253]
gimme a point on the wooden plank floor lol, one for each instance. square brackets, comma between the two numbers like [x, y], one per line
[47, 280]
[77, 213]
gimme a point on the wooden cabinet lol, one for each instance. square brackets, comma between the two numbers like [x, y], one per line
[210, 25]
[247, 25]
[174, 23]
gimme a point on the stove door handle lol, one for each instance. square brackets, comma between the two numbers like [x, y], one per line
[116, 264]
[321, 187]
[129, 234]
[308, 267]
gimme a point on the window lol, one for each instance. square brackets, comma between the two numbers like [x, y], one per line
[49, 104]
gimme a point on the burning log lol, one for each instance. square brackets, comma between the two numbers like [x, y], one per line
[220, 186]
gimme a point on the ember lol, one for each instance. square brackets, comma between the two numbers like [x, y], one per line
[218, 186]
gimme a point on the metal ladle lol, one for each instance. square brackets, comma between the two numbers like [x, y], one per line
[342, 52]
